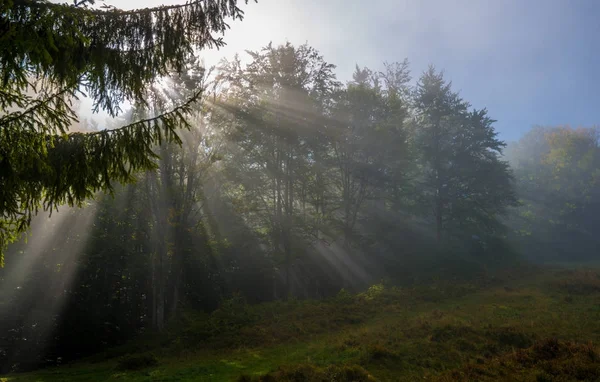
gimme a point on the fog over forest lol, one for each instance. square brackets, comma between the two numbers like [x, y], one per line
[174, 208]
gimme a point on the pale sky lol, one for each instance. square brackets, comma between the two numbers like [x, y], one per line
[528, 61]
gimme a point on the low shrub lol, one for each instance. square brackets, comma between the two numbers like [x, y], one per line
[448, 332]
[311, 373]
[508, 337]
[579, 282]
[547, 360]
[376, 352]
[137, 362]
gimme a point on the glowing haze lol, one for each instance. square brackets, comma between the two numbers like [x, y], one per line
[529, 62]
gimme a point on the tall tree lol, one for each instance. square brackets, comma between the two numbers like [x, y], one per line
[275, 103]
[369, 143]
[175, 191]
[465, 183]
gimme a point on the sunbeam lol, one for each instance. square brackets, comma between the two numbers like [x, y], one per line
[297, 190]
[53, 248]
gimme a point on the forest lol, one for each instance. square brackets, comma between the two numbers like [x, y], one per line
[268, 221]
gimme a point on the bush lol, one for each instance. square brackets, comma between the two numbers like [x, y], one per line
[344, 297]
[547, 360]
[510, 337]
[580, 282]
[222, 325]
[448, 332]
[311, 373]
[373, 292]
[376, 352]
[348, 373]
[137, 362]
[233, 313]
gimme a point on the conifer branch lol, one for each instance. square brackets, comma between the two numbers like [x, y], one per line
[118, 52]
[179, 110]
[114, 10]
[15, 116]
[113, 56]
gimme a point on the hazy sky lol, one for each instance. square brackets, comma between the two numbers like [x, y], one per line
[528, 61]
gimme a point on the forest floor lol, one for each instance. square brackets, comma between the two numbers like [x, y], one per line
[532, 325]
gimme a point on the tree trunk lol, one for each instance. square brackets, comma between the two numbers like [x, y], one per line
[159, 291]
[438, 219]
[177, 265]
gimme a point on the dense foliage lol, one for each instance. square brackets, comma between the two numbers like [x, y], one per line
[558, 175]
[289, 183]
[51, 53]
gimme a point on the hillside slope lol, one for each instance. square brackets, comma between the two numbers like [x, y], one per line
[540, 326]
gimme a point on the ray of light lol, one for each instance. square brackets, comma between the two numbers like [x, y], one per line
[43, 271]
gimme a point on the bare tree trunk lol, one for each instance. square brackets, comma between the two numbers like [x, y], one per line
[154, 294]
[174, 301]
[158, 293]
[438, 219]
[177, 266]
[156, 193]
[288, 219]
[160, 296]
[439, 203]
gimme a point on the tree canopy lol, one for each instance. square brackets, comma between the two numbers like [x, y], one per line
[289, 183]
[557, 171]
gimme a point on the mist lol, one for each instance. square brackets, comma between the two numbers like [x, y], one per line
[361, 197]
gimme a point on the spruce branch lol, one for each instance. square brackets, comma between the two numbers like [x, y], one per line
[39, 105]
[178, 112]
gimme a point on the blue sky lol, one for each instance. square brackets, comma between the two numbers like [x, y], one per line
[530, 62]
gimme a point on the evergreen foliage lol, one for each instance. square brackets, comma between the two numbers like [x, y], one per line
[57, 52]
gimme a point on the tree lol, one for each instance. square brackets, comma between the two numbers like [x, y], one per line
[557, 172]
[51, 53]
[175, 192]
[369, 146]
[464, 182]
[275, 108]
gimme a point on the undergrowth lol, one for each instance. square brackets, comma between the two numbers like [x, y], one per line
[137, 362]
[493, 328]
[547, 360]
[311, 373]
[578, 282]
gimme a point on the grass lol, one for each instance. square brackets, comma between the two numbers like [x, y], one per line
[540, 326]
